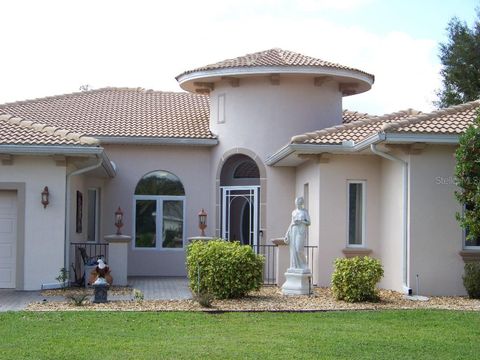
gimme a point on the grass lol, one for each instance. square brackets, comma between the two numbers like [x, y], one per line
[420, 334]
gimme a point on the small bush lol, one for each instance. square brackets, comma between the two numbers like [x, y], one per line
[223, 269]
[78, 299]
[204, 299]
[355, 279]
[138, 295]
[471, 280]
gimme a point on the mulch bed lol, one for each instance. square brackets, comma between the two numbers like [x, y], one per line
[267, 299]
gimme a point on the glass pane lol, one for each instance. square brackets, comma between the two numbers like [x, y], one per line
[355, 215]
[160, 183]
[145, 223]
[91, 215]
[172, 224]
[473, 242]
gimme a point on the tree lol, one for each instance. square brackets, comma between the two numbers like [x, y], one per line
[460, 57]
[467, 175]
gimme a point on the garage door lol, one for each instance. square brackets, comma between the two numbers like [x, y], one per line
[8, 238]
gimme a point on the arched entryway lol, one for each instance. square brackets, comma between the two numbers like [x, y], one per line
[240, 199]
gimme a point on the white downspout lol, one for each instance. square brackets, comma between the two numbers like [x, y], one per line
[67, 207]
[406, 282]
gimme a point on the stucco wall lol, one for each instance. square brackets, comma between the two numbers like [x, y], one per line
[333, 208]
[44, 228]
[191, 165]
[390, 224]
[262, 117]
[435, 235]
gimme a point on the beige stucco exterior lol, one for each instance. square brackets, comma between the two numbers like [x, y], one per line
[191, 165]
[40, 249]
[435, 235]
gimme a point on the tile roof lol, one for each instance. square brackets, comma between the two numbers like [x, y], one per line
[350, 116]
[121, 112]
[355, 130]
[17, 131]
[449, 121]
[453, 120]
[272, 58]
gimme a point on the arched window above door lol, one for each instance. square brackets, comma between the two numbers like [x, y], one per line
[160, 182]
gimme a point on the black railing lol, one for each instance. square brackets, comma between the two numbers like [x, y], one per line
[310, 252]
[269, 268]
[270, 254]
[85, 255]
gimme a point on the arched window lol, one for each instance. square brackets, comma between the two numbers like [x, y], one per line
[159, 211]
[159, 183]
[247, 169]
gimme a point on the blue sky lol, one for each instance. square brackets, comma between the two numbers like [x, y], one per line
[55, 45]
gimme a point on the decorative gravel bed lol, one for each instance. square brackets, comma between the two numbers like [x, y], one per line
[267, 299]
[113, 290]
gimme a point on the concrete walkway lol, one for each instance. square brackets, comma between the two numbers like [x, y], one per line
[153, 288]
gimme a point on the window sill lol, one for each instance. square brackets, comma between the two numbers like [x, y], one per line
[470, 255]
[352, 252]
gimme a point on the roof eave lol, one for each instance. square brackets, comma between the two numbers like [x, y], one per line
[351, 147]
[186, 79]
[50, 149]
[136, 140]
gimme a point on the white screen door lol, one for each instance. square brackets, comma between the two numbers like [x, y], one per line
[240, 213]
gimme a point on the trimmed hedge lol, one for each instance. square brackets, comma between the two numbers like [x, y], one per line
[223, 269]
[355, 279]
[471, 280]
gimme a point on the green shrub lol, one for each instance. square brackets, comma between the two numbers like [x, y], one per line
[223, 269]
[355, 279]
[471, 280]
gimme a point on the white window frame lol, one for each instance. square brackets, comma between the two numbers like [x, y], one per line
[364, 214]
[97, 215]
[158, 220]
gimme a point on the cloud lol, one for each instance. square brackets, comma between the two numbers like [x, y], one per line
[61, 45]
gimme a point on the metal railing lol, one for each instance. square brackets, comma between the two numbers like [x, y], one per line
[84, 255]
[270, 254]
[269, 267]
[310, 252]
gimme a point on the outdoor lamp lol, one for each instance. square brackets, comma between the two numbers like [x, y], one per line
[202, 221]
[119, 220]
[45, 196]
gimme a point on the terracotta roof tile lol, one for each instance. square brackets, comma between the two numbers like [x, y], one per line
[17, 131]
[121, 112]
[273, 57]
[355, 130]
[351, 116]
[453, 120]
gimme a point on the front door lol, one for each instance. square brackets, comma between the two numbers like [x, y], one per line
[8, 238]
[240, 213]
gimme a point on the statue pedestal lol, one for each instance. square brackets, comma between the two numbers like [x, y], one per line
[297, 282]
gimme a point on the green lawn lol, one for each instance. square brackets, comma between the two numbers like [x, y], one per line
[426, 334]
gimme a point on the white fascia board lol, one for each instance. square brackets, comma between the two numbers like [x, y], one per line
[156, 141]
[268, 70]
[396, 138]
[107, 165]
[50, 149]
[400, 138]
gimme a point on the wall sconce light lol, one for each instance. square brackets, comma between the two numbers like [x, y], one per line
[202, 221]
[45, 196]
[119, 220]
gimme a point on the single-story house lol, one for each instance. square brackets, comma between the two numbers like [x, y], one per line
[246, 137]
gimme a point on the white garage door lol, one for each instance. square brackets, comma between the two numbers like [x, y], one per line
[8, 238]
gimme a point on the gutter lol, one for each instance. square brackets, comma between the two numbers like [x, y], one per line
[155, 141]
[50, 149]
[406, 243]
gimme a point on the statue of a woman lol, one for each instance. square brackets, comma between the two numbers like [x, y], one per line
[296, 235]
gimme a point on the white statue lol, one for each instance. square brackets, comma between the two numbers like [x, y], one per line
[295, 237]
